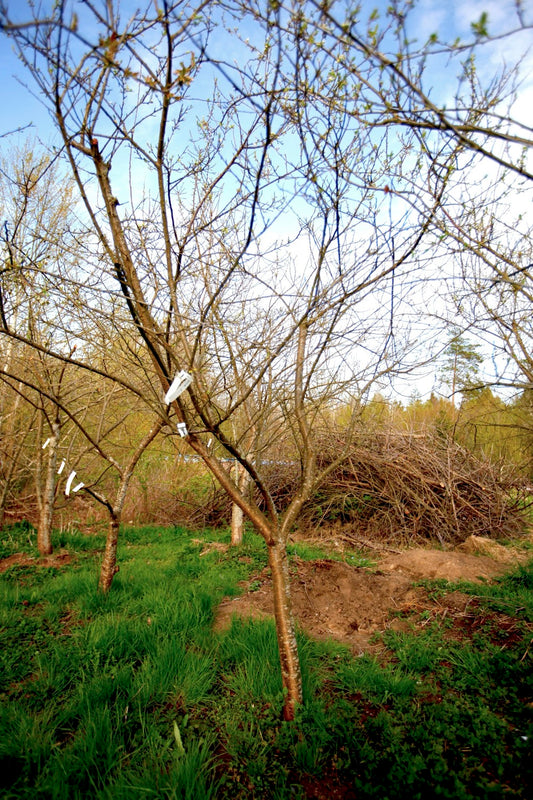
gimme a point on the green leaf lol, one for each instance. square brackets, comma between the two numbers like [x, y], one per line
[177, 737]
[479, 28]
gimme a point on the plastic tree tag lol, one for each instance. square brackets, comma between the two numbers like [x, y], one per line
[61, 468]
[179, 384]
[182, 429]
[69, 482]
[78, 487]
[45, 445]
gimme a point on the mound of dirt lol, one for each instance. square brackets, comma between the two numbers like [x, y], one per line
[453, 565]
[332, 599]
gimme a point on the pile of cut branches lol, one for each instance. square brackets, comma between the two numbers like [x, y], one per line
[391, 488]
[404, 488]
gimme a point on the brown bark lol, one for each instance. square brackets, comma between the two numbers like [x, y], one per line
[44, 530]
[242, 479]
[288, 650]
[109, 566]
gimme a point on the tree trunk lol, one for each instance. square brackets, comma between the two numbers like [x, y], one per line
[44, 530]
[109, 566]
[242, 479]
[237, 524]
[288, 650]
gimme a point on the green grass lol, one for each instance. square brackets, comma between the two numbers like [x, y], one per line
[311, 552]
[132, 695]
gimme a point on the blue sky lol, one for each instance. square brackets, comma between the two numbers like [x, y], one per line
[449, 19]
[19, 107]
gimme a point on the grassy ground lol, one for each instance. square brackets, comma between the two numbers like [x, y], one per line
[133, 696]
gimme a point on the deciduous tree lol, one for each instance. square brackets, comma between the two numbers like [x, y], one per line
[262, 223]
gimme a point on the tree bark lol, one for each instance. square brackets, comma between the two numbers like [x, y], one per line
[288, 650]
[237, 525]
[109, 566]
[44, 530]
[242, 479]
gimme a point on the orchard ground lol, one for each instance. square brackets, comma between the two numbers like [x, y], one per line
[338, 599]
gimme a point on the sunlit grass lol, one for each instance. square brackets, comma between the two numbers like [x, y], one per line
[94, 687]
[311, 552]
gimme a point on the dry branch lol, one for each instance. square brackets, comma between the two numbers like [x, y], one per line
[400, 488]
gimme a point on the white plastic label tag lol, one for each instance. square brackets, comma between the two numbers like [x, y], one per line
[179, 384]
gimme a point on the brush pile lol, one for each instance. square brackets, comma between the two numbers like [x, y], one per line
[389, 488]
[394, 488]
[404, 488]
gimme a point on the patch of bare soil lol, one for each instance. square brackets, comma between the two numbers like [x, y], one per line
[23, 560]
[332, 599]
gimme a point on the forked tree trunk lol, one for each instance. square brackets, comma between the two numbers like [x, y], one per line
[44, 530]
[288, 650]
[109, 567]
[129, 280]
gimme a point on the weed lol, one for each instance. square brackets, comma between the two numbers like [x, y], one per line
[418, 654]
[18, 538]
